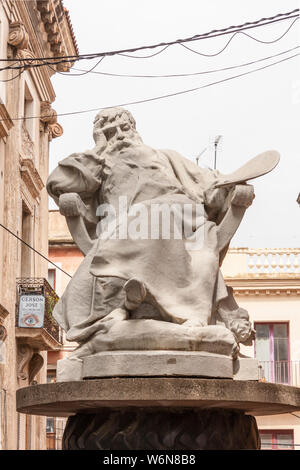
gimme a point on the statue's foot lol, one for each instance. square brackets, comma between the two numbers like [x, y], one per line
[135, 293]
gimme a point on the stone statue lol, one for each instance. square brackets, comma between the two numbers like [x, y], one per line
[143, 286]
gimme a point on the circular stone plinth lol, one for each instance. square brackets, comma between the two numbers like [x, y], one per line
[88, 396]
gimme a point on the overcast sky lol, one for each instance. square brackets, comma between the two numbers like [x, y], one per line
[253, 113]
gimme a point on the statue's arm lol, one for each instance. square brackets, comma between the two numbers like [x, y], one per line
[227, 206]
[74, 182]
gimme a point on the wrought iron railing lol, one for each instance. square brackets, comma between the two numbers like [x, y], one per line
[280, 372]
[41, 286]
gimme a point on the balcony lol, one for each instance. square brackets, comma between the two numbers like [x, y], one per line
[262, 263]
[280, 372]
[48, 336]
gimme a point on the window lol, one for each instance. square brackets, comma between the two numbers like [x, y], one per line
[272, 351]
[277, 440]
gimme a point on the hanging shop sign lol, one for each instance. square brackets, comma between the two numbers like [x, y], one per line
[31, 311]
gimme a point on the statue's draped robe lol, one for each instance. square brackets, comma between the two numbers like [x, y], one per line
[186, 285]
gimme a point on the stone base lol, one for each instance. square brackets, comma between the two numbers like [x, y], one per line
[89, 396]
[156, 364]
[161, 429]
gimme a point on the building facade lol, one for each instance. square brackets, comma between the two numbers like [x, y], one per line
[28, 29]
[266, 282]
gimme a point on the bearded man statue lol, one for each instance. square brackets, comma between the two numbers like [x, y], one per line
[154, 228]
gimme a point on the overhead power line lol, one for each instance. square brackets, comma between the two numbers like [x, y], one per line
[174, 75]
[44, 62]
[33, 249]
[210, 34]
[156, 98]
[245, 34]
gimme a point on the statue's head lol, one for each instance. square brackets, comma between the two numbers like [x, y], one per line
[115, 128]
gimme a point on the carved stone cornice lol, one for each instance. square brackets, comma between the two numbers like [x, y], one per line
[49, 121]
[251, 287]
[3, 313]
[5, 121]
[31, 177]
[56, 22]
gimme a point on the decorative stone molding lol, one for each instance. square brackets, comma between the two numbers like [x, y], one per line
[25, 353]
[56, 21]
[48, 114]
[5, 121]
[265, 287]
[26, 54]
[56, 130]
[27, 145]
[49, 120]
[3, 313]
[30, 362]
[3, 334]
[31, 177]
[38, 338]
[35, 365]
[18, 36]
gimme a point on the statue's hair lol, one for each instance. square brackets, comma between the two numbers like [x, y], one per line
[110, 114]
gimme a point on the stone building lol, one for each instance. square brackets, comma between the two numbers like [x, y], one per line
[265, 281]
[28, 29]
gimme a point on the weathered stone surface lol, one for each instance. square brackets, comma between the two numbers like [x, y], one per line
[245, 368]
[68, 370]
[63, 399]
[156, 363]
[167, 429]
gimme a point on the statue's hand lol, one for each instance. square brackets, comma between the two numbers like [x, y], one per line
[243, 195]
[71, 205]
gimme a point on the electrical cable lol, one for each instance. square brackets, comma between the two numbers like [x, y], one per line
[45, 62]
[213, 33]
[68, 74]
[13, 78]
[110, 74]
[169, 95]
[33, 249]
[245, 34]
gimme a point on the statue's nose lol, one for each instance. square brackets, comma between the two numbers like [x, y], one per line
[120, 134]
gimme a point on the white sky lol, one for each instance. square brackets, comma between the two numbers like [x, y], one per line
[258, 112]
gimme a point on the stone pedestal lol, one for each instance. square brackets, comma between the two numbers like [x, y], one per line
[161, 429]
[157, 364]
[159, 412]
